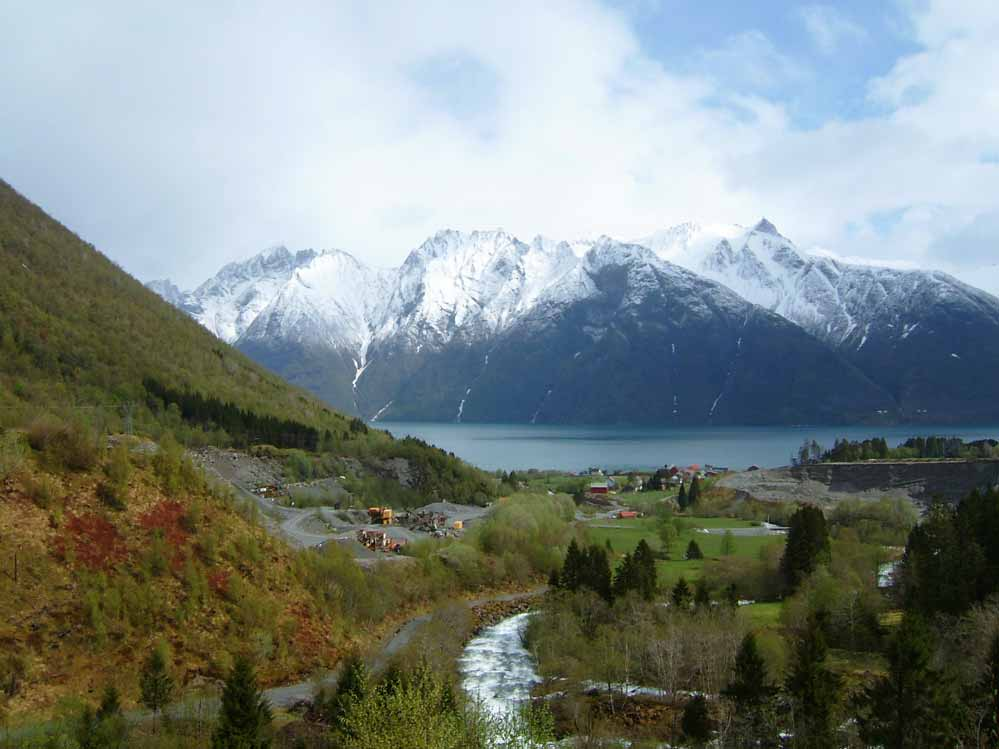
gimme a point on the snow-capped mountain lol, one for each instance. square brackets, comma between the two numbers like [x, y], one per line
[924, 335]
[483, 326]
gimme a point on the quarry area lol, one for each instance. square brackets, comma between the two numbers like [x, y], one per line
[370, 533]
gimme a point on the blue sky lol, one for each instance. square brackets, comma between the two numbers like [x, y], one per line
[813, 58]
[180, 138]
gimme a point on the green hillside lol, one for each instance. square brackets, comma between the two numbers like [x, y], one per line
[82, 340]
[75, 329]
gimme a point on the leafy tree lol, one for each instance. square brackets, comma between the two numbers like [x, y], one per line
[728, 544]
[419, 712]
[807, 545]
[813, 688]
[155, 684]
[696, 721]
[912, 706]
[693, 551]
[667, 536]
[681, 594]
[245, 716]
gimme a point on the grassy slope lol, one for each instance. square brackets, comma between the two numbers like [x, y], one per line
[77, 624]
[74, 328]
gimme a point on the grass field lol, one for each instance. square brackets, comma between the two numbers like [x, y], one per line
[624, 535]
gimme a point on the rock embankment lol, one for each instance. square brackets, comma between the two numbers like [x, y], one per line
[919, 481]
[493, 612]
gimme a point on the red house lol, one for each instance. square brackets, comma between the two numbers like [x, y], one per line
[598, 489]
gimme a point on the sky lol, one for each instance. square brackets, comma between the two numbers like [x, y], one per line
[177, 137]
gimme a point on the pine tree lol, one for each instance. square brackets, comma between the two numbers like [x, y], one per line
[693, 551]
[626, 577]
[807, 545]
[597, 572]
[694, 495]
[750, 694]
[645, 562]
[696, 721]
[554, 579]
[813, 688]
[702, 597]
[244, 716]
[572, 569]
[681, 498]
[990, 690]
[155, 684]
[110, 703]
[681, 594]
[912, 705]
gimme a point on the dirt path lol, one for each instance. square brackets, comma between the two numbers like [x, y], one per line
[292, 693]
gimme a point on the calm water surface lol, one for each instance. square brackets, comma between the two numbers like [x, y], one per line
[575, 448]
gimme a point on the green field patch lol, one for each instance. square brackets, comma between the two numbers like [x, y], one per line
[624, 535]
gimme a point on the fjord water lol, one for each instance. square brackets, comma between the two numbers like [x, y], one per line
[575, 448]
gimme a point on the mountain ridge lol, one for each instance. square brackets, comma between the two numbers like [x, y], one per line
[472, 290]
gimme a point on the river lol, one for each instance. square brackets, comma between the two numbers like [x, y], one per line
[497, 670]
[576, 448]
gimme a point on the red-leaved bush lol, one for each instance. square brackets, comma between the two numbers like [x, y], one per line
[94, 542]
[167, 516]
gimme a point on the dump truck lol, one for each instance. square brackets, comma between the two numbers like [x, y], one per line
[381, 515]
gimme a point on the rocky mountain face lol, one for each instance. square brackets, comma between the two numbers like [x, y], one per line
[928, 339]
[693, 325]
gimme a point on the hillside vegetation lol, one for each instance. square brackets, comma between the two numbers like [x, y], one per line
[81, 339]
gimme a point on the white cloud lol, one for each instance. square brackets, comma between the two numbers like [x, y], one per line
[829, 28]
[179, 141]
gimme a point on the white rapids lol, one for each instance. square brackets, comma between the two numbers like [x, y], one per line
[497, 670]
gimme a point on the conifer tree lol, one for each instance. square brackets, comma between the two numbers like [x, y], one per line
[702, 598]
[351, 689]
[912, 705]
[807, 545]
[693, 551]
[645, 561]
[681, 594]
[244, 716]
[626, 577]
[990, 690]
[572, 569]
[155, 684]
[694, 495]
[681, 498]
[554, 579]
[597, 572]
[750, 694]
[813, 688]
[110, 703]
[696, 721]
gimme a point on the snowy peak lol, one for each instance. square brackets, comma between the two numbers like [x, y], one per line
[765, 227]
[169, 291]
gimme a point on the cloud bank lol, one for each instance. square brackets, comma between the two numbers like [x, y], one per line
[179, 137]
